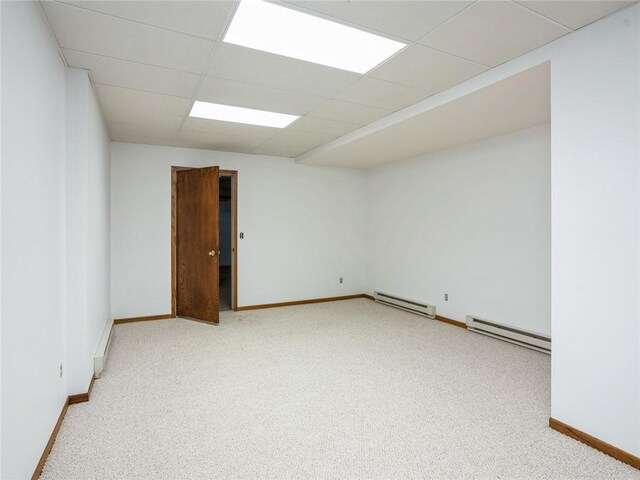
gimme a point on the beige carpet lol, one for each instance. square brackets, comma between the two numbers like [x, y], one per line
[338, 390]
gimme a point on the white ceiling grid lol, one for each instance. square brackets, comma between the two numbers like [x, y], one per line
[150, 60]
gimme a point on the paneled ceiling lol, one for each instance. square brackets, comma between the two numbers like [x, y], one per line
[150, 60]
[510, 105]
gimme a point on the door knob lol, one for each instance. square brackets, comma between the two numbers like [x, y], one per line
[212, 253]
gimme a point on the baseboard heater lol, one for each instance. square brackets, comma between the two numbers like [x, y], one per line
[100, 360]
[525, 338]
[405, 304]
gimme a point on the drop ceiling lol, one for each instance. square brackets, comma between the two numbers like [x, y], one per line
[510, 105]
[150, 60]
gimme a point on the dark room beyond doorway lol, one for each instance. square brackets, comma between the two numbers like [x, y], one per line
[226, 245]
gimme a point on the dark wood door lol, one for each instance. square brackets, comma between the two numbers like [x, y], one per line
[197, 243]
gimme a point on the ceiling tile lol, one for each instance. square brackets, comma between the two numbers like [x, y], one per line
[574, 13]
[323, 126]
[348, 112]
[142, 130]
[291, 143]
[143, 140]
[86, 31]
[121, 73]
[253, 66]
[216, 127]
[202, 19]
[509, 105]
[407, 20]
[426, 69]
[117, 99]
[381, 94]
[492, 32]
[141, 117]
[223, 143]
[240, 94]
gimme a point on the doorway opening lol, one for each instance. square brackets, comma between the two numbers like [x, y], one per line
[226, 249]
[204, 269]
[231, 177]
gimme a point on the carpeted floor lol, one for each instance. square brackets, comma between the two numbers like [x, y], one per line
[345, 390]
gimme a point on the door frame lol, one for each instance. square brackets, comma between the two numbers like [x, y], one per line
[234, 235]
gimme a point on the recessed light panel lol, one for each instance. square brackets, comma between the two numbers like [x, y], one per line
[283, 31]
[227, 113]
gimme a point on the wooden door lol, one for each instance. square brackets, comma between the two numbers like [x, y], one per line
[197, 243]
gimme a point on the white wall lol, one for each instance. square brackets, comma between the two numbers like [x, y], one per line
[1, 131]
[595, 107]
[303, 227]
[88, 222]
[77, 228]
[33, 236]
[473, 222]
[55, 234]
[99, 236]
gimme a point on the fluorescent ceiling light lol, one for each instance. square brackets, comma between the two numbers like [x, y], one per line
[227, 113]
[283, 31]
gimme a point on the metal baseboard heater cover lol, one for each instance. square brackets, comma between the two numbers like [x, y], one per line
[525, 338]
[100, 360]
[405, 304]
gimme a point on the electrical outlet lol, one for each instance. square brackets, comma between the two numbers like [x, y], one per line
[60, 370]
[340, 279]
[446, 297]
